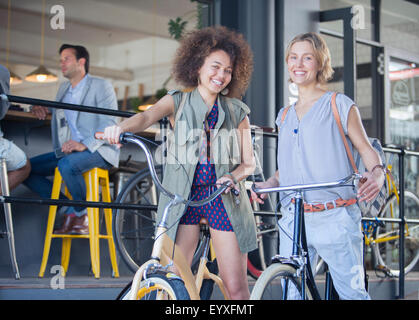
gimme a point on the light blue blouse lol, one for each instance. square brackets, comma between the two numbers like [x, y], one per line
[311, 150]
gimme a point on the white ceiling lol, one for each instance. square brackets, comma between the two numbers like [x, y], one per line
[96, 24]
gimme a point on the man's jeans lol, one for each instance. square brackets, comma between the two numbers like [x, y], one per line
[71, 167]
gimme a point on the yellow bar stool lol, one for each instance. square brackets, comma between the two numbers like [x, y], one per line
[94, 179]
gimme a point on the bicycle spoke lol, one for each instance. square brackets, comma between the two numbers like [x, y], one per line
[139, 214]
[134, 229]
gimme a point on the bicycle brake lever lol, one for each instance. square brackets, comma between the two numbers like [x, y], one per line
[124, 135]
[235, 192]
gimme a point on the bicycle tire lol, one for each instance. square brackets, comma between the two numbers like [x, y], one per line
[123, 294]
[133, 230]
[387, 252]
[270, 244]
[162, 287]
[254, 268]
[269, 285]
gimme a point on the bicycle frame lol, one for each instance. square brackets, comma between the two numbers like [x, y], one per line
[392, 191]
[299, 257]
[300, 250]
[165, 252]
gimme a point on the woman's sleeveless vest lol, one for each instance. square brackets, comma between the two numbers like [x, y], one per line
[182, 158]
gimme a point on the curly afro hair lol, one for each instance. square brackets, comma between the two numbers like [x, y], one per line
[199, 44]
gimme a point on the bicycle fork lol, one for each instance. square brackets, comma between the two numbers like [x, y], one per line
[296, 248]
[300, 252]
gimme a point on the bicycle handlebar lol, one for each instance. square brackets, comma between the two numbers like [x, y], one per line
[312, 186]
[128, 137]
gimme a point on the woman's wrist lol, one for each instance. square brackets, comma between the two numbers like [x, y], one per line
[379, 172]
[273, 181]
[229, 174]
[381, 168]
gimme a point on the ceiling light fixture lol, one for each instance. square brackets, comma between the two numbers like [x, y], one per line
[42, 74]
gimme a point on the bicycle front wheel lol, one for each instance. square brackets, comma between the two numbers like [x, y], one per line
[387, 239]
[162, 287]
[277, 282]
[133, 230]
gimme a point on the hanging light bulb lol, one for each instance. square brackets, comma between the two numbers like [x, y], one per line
[42, 74]
[14, 78]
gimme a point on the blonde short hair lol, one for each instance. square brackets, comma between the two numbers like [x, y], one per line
[321, 53]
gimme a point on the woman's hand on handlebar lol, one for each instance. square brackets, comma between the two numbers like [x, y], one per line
[260, 198]
[272, 182]
[229, 181]
[111, 134]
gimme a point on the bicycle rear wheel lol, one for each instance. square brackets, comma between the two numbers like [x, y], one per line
[133, 230]
[260, 258]
[271, 283]
[387, 240]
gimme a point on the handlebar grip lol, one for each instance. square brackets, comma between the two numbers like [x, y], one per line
[99, 135]
[253, 187]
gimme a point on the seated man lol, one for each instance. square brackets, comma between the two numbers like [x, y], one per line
[18, 167]
[75, 148]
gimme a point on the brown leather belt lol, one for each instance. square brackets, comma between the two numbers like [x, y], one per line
[327, 205]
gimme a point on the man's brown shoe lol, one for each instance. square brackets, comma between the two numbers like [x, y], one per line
[67, 225]
[80, 225]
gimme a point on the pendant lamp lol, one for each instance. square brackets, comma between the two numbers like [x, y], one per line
[14, 78]
[42, 74]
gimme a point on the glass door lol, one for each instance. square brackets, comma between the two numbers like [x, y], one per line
[402, 109]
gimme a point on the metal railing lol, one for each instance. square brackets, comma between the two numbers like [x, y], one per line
[400, 151]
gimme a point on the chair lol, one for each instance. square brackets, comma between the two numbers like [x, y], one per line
[94, 179]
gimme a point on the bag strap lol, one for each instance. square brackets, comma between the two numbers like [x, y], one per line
[230, 110]
[339, 123]
[233, 118]
[180, 109]
[284, 115]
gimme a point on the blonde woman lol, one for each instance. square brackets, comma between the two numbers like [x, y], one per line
[310, 150]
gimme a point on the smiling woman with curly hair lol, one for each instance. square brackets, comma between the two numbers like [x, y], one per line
[216, 63]
[199, 44]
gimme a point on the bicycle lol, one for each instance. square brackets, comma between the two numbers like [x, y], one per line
[133, 230]
[259, 259]
[274, 281]
[383, 237]
[153, 279]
